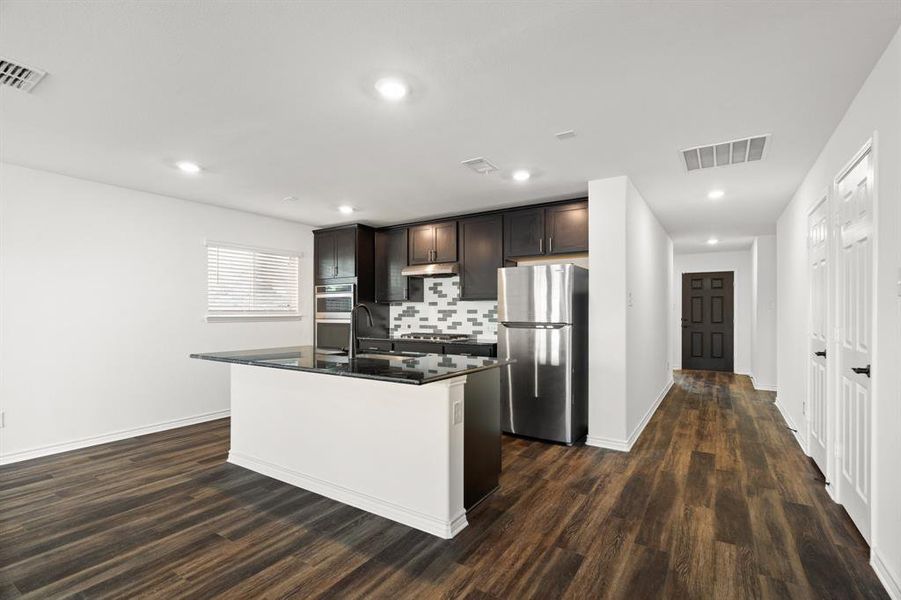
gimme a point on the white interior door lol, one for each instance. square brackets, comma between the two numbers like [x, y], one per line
[817, 265]
[855, 309]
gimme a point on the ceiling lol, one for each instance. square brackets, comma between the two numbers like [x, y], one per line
[276, 99]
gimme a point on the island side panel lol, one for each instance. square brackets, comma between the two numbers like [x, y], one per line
[388, 448]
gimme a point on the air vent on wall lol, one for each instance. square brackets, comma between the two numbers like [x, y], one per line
[19, 76]
[726, 153]
[480, 165]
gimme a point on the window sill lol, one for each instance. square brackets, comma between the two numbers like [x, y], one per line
[250, 318]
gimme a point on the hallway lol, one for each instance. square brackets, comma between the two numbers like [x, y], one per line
[716, 500]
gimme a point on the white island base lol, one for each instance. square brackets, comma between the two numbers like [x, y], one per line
[392, 449]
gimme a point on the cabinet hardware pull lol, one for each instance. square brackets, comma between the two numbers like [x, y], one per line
[862, 370]
[550, 245]
[540, 245]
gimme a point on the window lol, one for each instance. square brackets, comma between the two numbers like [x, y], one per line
[248, 283]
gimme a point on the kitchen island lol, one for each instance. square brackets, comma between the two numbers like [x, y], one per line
[411, 437]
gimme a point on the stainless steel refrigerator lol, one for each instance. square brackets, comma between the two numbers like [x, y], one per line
[543, 325]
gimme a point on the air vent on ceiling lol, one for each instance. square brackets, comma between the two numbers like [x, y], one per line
[480, 165]
[565, 135]
[19, 76]
[726, 153]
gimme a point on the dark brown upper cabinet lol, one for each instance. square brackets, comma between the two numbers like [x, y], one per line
[433, 243]
[558, 229]
[524, 232]
[390, 258]
[481, 255]
[567, 228]
[345, 254]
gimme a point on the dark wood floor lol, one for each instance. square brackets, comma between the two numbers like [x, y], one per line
[715, 501]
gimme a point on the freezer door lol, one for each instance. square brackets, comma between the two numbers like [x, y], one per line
[536, 390]
[539, 294]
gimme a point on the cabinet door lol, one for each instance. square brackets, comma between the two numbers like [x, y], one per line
[481, 255]
[346, 253]
[567, 228]
[325, 255]
[445, 242]
[524, 232]
[390, 259]
[422, 242]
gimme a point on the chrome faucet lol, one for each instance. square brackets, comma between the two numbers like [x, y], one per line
[352, 348]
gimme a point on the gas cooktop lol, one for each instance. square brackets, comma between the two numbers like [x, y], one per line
[436, 337]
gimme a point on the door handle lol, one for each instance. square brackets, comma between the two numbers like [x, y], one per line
[862, 370]
[820, 353]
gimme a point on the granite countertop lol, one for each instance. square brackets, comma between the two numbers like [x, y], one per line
[398, 367]
[397, 338]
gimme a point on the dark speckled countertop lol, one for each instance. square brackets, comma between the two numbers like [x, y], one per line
[399, 367]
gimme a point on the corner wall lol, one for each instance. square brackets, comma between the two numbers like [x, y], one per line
[102, 298]
[629, 289]
[875, 112]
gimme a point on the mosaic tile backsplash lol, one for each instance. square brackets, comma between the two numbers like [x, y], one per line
[442, 311]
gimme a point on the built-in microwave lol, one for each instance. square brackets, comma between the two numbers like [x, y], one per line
[334, 301]
[334, 304]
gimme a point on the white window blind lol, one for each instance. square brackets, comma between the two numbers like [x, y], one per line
[251, 282]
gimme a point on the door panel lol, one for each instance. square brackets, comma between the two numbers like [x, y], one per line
[537, 387]
[481, 255]
[422, 242]
[445, 242]
[567, 228]
[325, 255]
[854, 196]
[390, 259]
[346, 252]
[707, 321]
[817, 407]
[524, 233]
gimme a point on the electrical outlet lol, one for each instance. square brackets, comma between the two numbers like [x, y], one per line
[458, 413]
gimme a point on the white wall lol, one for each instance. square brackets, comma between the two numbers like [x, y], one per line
[875, 110]
[738, 261]
[763, 312]
[630, 261]
[102, 298]
[649, 271]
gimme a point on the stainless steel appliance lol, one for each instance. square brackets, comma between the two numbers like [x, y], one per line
[334, 303]
[543, 325]
[429, 336]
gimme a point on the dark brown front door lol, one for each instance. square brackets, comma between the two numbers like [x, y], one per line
[707, 320]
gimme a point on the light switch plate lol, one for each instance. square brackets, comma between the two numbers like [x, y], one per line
[458, 413]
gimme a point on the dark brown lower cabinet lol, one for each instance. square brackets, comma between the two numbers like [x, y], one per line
[481, 255]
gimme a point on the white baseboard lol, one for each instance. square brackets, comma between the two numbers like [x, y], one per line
[626, 445]
[788, 421]
[383, 508]
[890, 580]
[763, 387]
[105, 438]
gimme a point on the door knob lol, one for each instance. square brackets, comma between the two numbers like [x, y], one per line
[820, 353]
[862, 370]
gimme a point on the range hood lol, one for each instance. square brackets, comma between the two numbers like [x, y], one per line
[434, 270]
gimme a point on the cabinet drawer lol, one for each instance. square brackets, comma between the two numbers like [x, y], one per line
[470, 349]
[384, 345]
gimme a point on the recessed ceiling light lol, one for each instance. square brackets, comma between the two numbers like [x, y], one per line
[391, 89]
[713, 241]
[521, 175]
[186, 166]
[716, 194]
[345, 209]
